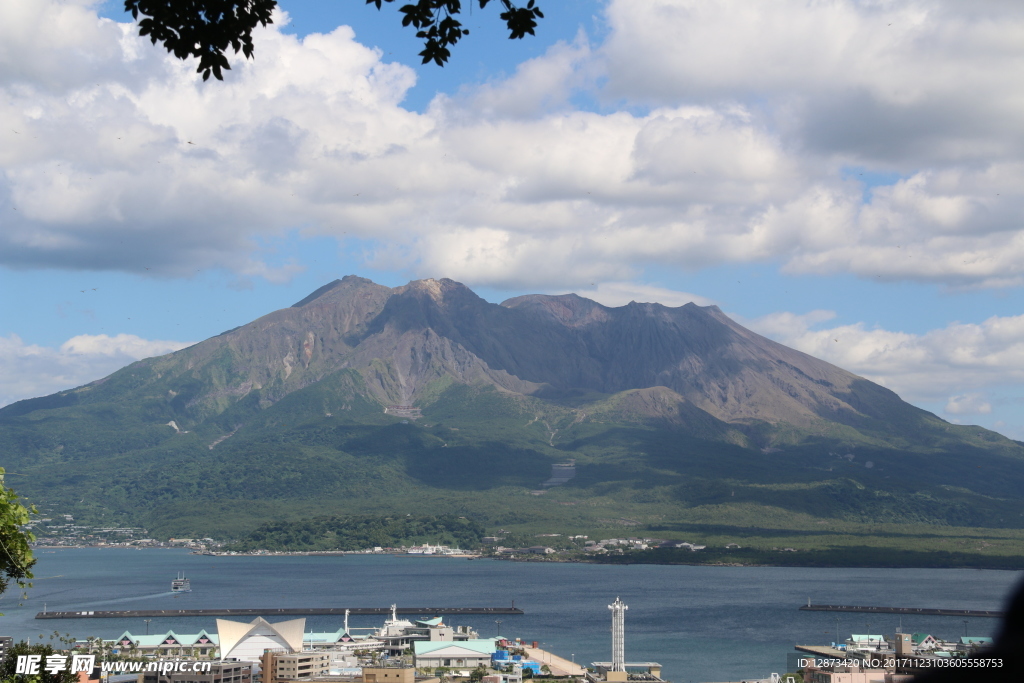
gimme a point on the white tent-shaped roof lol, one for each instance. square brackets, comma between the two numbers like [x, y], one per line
[246, 642]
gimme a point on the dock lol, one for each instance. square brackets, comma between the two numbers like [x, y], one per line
[921, 611]
[273, 612]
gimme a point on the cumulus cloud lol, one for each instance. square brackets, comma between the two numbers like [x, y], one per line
[742, 122]
[30, 370]
[879, 81]
[955, 364]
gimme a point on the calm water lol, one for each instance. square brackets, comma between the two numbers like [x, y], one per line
[701, 623]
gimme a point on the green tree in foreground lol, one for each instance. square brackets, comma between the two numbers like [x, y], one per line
[205, 29]
[9, 664]
[15, 554]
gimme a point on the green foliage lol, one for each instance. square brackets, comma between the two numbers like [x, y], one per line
[847, 556]
[8, 665]
[104, 452]
[358, 532]
[15, 555]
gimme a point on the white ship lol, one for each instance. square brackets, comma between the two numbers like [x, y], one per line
[181, 584]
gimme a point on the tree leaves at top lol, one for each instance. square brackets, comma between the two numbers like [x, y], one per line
[438, 28]
[205, 29]
[202, 28]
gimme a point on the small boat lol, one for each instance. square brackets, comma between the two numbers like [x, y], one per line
[181, 584]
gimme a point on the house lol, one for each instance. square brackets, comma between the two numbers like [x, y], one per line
[464, 654]
[295, 666]
[169, 644]
[860, 641]
[219, 672]
[924, 641]
[970, 642]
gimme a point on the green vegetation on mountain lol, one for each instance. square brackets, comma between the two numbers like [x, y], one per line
[359, 532]
[849, 556]
[681, 424]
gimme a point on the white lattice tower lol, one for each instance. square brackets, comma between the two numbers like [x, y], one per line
[618, 609]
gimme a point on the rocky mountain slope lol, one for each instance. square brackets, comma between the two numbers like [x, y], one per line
[290, 410]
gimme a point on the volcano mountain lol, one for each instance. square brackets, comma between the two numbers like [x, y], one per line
[427, 398]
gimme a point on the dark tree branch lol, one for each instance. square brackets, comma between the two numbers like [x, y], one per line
[205, 29]
[202, 28]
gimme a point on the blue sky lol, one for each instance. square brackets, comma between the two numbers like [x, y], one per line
[845, 173]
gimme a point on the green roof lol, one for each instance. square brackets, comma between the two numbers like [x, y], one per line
[484, 646]
[976, 640]
[436, 621]
[186, 640]
[919, 638]
[326, 637]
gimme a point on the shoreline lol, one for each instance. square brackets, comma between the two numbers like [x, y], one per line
[807, 559]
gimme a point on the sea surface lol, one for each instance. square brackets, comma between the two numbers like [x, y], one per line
[700, 623]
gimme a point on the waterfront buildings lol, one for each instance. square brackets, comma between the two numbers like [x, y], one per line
[464, 654]
[5, 644]
[283, 652]
[293, 666]
[248, 642]
[220, 672]
[865, 658]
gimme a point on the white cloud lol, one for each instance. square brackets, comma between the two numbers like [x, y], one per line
[968, 404]
[878, 80]
[955, 364]
[30, 370]
[116, 157]
[621, 293]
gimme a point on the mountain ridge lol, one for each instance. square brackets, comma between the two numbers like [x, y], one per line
[668, 406]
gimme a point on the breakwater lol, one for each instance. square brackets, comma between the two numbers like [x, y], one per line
[280, 611]
[905, 610]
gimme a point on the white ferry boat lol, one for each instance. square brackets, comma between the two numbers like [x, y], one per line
[181, 584]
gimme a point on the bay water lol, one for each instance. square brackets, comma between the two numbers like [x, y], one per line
[700, 623]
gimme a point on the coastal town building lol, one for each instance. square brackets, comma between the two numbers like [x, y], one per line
[907, 654]
[283, 652]
[220, 672]
[293, 666]
[463, 654]
[241, 640]
[202, 645]
[5, 644]
[248, 642]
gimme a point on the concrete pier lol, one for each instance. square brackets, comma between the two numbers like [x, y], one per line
[286, 611]
[905, 610]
